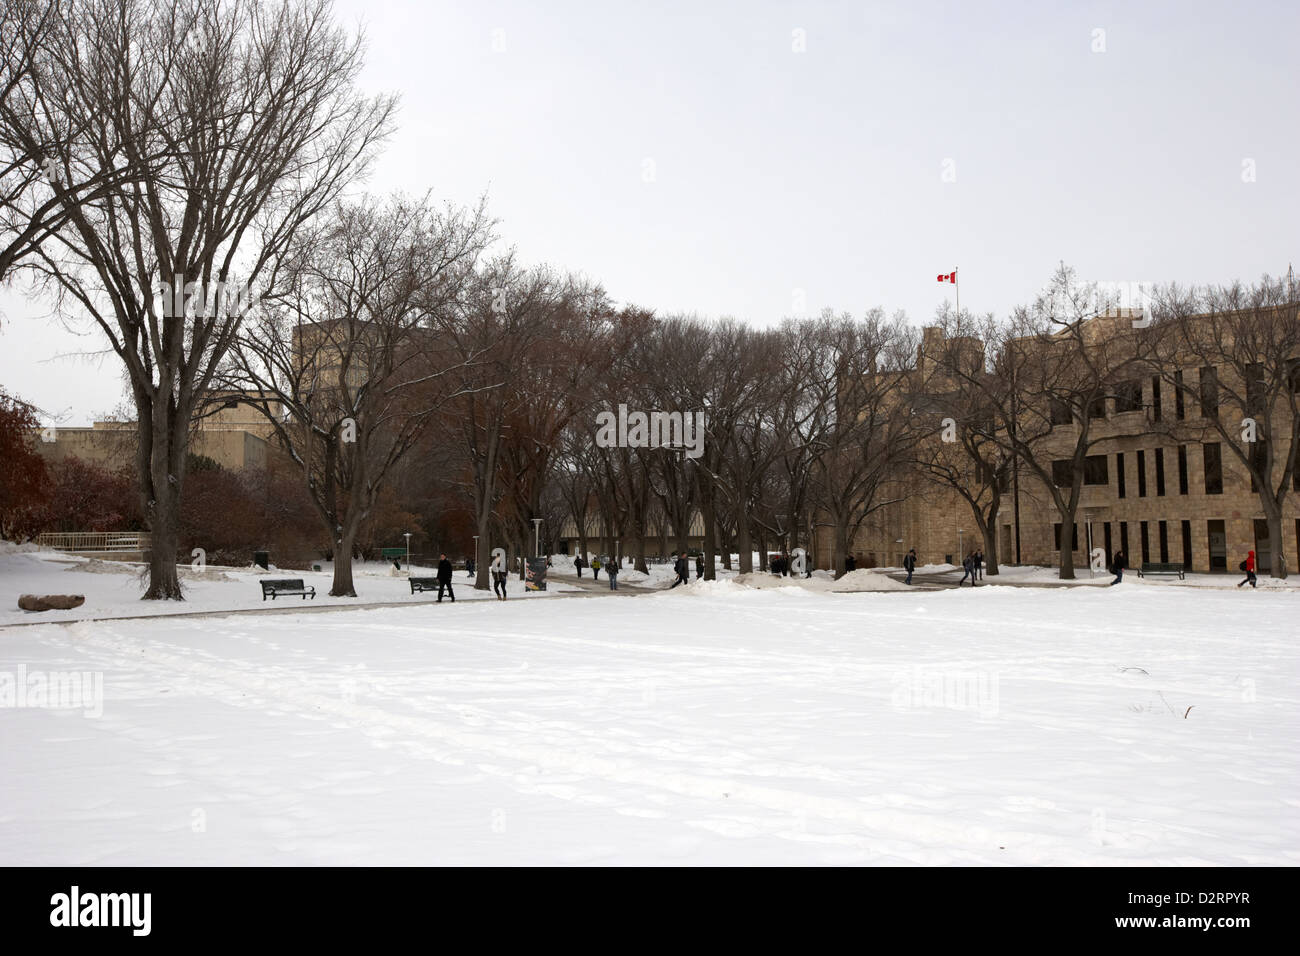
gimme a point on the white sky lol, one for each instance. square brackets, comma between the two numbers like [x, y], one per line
[776, 171]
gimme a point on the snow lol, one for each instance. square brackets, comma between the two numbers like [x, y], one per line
[714, 724]
[113, 588]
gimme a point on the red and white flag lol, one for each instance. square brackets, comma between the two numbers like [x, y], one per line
[950, 277]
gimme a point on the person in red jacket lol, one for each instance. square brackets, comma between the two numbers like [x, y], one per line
[1249, 567]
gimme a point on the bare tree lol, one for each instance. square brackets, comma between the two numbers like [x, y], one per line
[346, 367]
[239, 122]
[1245, 342]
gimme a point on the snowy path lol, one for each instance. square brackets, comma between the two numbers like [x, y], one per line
[995, 725]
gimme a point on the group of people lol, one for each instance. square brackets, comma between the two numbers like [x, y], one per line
[972, 567]
[611, 566]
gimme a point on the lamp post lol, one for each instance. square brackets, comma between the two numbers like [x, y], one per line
[407, 536]
[537, 524]
[475, 554]
[960, 556]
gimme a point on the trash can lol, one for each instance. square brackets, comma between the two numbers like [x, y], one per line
[262, 559]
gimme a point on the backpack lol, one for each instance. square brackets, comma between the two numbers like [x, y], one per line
[1242, 565]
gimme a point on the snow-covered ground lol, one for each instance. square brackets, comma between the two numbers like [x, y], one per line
[113, 588]
[711, 724]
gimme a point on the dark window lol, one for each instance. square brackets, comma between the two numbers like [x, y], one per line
[1163, 529]
[1213, 469]
[1179, 411]
[1160, 472]
[1146, 544]
[1187, 545]
[1209, 392]
[1074, 538]
[1182, 469]
[1119, 472]
[1142, 474]
[1258, 457]
[233, 403]
[1155, 398]
[1255, 388]
[1094, 470]
[1109, 552]
[1128, 396]
[1097, 407]
[1062, 473]
[1123, 536]
[1060, 412]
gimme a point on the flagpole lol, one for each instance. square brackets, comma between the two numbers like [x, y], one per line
[956, 287]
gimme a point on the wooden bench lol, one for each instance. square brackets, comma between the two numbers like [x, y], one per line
[273, 587]
[423, 584]
[1155, 567]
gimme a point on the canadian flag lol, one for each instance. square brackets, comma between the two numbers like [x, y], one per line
[950, 277]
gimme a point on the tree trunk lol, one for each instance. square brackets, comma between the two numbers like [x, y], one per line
[157, 459]
[744, 544]
[1276, 541]
[481, 573]
[343, 544]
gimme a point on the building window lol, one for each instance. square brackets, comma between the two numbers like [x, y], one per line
[1074, 538]
[1258, 458]
[1142, 474]
[1179, 411]
[1187, 545]
[1123, 537]
[1062, 473]
[1163, 530]
[1109, 552]
[1209, 392]
[1097, 407]
[1213, 469]
[1155, 398]
[1060, 412]
[1146, 544]
[1119, 471]
[1128, 396]
[1160, 472]
[1094, 470]
[1182, 469]
[1255, 387]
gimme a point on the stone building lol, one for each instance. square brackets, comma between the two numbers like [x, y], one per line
[1158, 484]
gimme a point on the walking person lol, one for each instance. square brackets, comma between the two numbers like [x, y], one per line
[968, 568]
[469, 567]
[498, 569]
[979, 565]
[699, 565]
[1117, 564]
[595, 568]
[683, 571]
[850, 564]
[1249, 567]
[444, 578]
[578, 564]
[909, 564]
[611, 570]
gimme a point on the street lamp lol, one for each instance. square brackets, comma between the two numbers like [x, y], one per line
[537, 524]
[476, 552]
[959, 551]
[407, 536]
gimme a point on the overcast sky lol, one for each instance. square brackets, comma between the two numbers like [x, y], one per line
[751, 159]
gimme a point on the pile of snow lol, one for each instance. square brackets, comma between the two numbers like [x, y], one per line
[868, 579]
[10, 547]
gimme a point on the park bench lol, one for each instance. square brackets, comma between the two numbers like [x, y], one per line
[273, 587]
[423, 584]
[1156, 567]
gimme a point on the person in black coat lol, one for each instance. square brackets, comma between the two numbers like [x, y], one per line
[850, 564]
[909, 564]
[444, 578]
[968, 569]
[699, 566]
[579, 563]
[1117, 565]
[683, 569]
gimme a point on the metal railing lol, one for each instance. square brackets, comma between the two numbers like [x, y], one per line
[94, 541]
